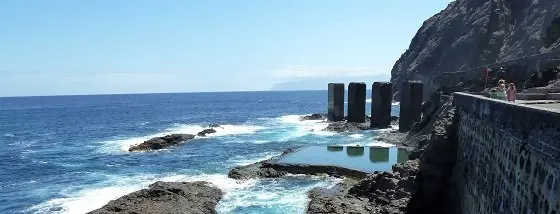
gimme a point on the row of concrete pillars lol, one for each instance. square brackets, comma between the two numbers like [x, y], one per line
[382, 99]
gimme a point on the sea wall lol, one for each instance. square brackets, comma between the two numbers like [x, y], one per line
[508, 157]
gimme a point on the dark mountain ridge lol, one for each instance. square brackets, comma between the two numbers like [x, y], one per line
[472, 33]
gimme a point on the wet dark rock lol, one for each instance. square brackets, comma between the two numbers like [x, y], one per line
[214, 125]
[167, 197]
[161, 142]
[380, 192]
[345, 126]
[204, 132]
[437, 159]
[306, 169]
[335, 200]
[252, 171]
[314, 117]
[258, 169]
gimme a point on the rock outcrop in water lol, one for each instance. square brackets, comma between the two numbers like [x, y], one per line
[204, 132]
[314, 117]
[167, 197]
[344, 126]
[471, 33]
[161, 142]
[167, 141]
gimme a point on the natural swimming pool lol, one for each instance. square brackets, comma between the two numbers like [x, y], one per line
[362, 158]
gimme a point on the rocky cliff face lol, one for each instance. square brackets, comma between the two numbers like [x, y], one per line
[471, 33]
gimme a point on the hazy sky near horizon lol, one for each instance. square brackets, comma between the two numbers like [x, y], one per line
[143, 46]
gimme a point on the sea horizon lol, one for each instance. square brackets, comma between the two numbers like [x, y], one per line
[156, 93]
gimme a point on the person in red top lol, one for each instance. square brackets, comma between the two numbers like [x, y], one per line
[511, 93]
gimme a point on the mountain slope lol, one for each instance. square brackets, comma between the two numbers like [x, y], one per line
[470, 33]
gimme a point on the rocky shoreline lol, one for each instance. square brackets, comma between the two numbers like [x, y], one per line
[358, 192]
[167, 197]
[408, 187]
[380, 192]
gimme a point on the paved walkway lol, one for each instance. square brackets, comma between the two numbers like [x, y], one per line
[549, 105]
[552, 104]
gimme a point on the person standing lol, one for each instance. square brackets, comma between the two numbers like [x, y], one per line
[502, 90]
[511, 93]
[494, 93]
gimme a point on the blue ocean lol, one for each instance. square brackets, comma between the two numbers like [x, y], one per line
[69, 154]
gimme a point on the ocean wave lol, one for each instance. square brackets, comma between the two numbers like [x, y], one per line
[356, 136]
[224, 130]
[9, 135]
[122, 145]
[304, 127]
[244, 160]
[261, 141]
[92, 198]
[288, 193]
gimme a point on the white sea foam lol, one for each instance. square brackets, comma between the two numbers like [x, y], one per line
[356, 136]
[122, 145]
[367, 101]
[269, 194]
[91, 198]
[261, 141]
[304, 127]
[244, 160]
[235, 130]
[8, 135]
[396, 103]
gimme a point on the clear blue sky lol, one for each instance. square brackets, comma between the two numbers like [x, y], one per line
[140, 46]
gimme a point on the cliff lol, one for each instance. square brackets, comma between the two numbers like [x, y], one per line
[472, 33]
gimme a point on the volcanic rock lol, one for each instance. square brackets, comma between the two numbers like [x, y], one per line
[314, 117]
[167, 197]
[161, 142]
[472, 33]
[204, 132]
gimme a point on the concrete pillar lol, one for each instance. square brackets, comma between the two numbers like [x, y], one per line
[381, 101]
[411, 105]
[336, 102]
[357, 102]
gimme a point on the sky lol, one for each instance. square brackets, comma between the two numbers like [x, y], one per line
[62, 47]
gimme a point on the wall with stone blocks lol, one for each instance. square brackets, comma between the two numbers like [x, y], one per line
[508, 157]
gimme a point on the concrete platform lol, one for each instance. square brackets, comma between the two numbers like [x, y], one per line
[550, 104]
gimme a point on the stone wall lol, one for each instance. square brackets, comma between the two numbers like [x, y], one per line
[508, 157]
